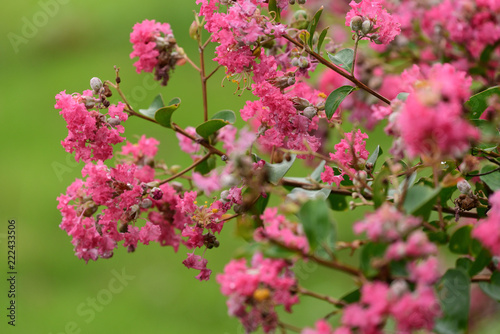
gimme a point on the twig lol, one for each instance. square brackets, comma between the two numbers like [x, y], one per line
[193, 165]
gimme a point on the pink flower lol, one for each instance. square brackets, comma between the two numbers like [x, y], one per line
[143, 37]
[277, 227]
[198, 263]
[384, 27]
[186, 144]
[146, 147]
[417, 245]
[90, 136]
[386, 224]
[425, 272]
[321, 327]
[488, 229]
[207, 183]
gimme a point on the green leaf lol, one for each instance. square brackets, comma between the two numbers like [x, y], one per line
[492, 180]
[479, 102]
[374, 156]
[164, 115]
[420, 200]
[335, 99]
[298, 193]
[380, 186]
[402, 96]
[318, 224]
[492, 288]
[153, 107]
[369, 252]
[461, 240]
[338, 202]
[273, 7]
[321, 38]
[316, 174]
[277, 171]
[225, 115]
[482, 260]
[218, 121]
[313, 24]
[343, 58]
[207, 165]
[351, 297]
[464, 264]
[454, 294]
[488, 130]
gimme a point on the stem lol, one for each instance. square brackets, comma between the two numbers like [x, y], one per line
[203, 143]
[193, 165]
[438, 205]
[356, 42]
[289, 327]
[192, 63]
[213, 72]
[326, 298]
[338, 70]
[203, 84]
[481, 278]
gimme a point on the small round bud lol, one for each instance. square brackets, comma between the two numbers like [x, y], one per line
[300, 103]
[261, 294]
[88, 101]
[114, 121]
[107, 91]
[366, 27]
[291, 2]
[156, 193]
[399, 287]
[295, 62]
[303, 62]
[106, 103]
[291, 81]
[464, 187]
[193, 30]
[175, 168]
[96, 84]
[301, 2]
[146, 203]
[224, 157]
[356, 23]
[310, 112]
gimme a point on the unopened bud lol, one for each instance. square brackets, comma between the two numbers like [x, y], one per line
[303, 62]
[366, 27]
[301, 2]
[310, 112]
[146, 203]
[107, 91]
[175, 168]
[291, 2]
[96, 84]
[464, 187]
[356, 23]
[114, 121]
[193, 30]
[156, 193]
[300, 103]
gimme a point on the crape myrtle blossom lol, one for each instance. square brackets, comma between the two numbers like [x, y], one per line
[487, 230]
[430, 122]
[350, 153]
[254, 292]
[90, 134]
[372, 21]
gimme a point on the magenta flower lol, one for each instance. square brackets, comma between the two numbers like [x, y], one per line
[488, 229]
[143, 37]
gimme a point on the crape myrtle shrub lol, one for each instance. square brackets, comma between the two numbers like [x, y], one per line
[425, 70]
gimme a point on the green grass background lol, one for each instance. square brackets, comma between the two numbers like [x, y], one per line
[77, 41]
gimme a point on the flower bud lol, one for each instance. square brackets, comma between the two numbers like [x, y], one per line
[300, 103]
[156, 193]
[301, 2]
[291, 2]
[114, 121]
[366, 27]
[303, 62]
[96, 84]
[146, 203]
[193, 30]
[356, 23]
[464, 187]
[310, 112]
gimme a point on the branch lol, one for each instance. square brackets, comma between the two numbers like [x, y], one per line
[326, 298]
[338, 70]
[193, 165]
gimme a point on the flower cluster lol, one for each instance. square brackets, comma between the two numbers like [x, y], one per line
[90, 134]
[255, 291]
[488, 230]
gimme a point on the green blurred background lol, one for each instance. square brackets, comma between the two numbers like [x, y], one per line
[48, 46]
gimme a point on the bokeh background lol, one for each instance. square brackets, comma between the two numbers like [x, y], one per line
[52, 45]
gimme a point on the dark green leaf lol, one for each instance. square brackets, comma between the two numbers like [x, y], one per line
[273, 7]
[277, 171]
[318, 224]
[460, 240]
[420, 200]
[225, 115]
[369, 252]
[207, 165]
[313, 24]
[492, 179]
[335, 99]
[439, 237]
[164, 115]
[482, 260]
[338, 202]
[210, 127]
[464, 264]
[374, 156]
[479, 102]
[380, 186]
[261, 204]
[492, 288]
[454, 295]
[153, 107]
[351, 297]
[321, 38]
[488, 130]
[398, 268]
[343, 58]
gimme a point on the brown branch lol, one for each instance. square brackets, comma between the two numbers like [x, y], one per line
[193, 165]
[326, 298]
